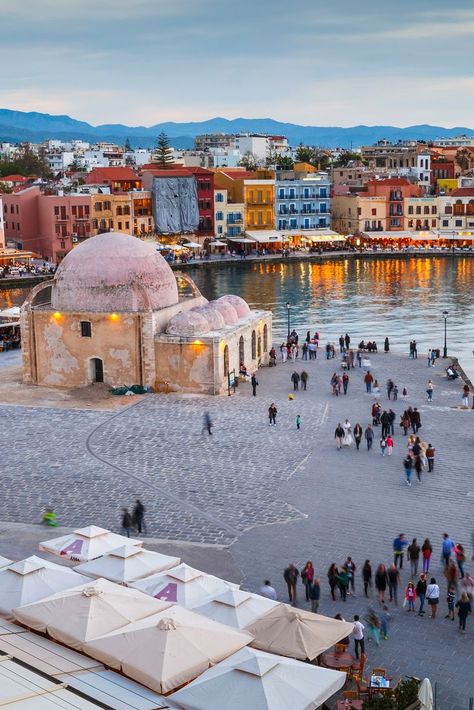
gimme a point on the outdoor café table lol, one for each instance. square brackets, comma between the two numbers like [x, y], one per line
[334, 660]
[349, 704]
[380, 684]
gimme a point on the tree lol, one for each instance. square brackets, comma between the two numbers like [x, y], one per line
[345, 158]
[248, 162]
[128, 145]
[163, 155]
[285, 162]
[5, 188]
[26, 163]
[305, 154]
[463, 159]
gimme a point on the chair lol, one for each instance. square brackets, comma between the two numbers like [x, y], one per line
[363, 690]
[358, 669]
[379, 671]
[341, 647]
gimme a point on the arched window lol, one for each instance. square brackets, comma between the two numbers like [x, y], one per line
[418, 210]
[259, 348]
[254, 345]
[265, 338]
[241, 349]
[426, 210]
[226, 361]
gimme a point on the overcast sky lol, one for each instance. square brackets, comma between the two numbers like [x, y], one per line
[336, 62]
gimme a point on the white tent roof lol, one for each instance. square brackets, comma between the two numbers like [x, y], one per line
[297, 633]
[4, 562]
[236, 608]
[184, 585]
[255, 680]
[86, 612]
[86, 543]
[12, 312]
[264, 236]
[32, 579]
[115, 690]
[192, 245]
[127, 564]
[168, 649]
[23, 689]
[45, 655]
[217, 243]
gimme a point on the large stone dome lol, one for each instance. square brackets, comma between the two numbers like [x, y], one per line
[116, 273]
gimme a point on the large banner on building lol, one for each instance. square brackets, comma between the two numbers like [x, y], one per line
[175, 204]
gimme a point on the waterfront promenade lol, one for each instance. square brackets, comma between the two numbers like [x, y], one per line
[252, 498]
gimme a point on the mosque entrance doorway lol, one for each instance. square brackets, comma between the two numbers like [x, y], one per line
[97, 369]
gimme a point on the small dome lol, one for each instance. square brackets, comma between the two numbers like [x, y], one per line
[226, 310]
[113, 272]
[212, 315]
[241, 306]
[188, 323]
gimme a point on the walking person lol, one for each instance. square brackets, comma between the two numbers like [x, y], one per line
[447, 548]
[295, 378]
[429, 358]
[332, 576]
[393, 576]
[386, 345]
[426, 551]
[343, 583]
[385, 422]
[304, 379]
[415, 420]
[347, 341]
[339, 436]
[290, 575]
[432, 596]
[464, 609]
[367, 577]
[389, 441]
[381, 582]
[385, 621]
[357, 435]
[307, 576]
[395, 393]
[350, 568]
[430, 456]
[413, 556]
[345, 382]
[341, 344]
[207, 424]
[408, 466]
[418, 467]
[383, 445]
[369, 436]
[254, 383]
[398, 547]
[390, 387]
[410, 596]
[460, 558]
[272, 412]
[450, 599]
[298, 421]
[127, 522]
[465, 396]
[368, 379]
[429, 390]
[138, 516]
[421, 593]
[358, 634]
[315, 595]
[405, 422]
[359, 358]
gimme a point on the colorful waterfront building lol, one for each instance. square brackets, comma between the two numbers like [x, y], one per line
[421, 213]
[456, 210]
[116, 179]
[228, 215]
[259, 197]
[302, 200]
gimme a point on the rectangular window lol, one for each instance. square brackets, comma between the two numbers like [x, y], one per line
[74, 210]
[433, 223]
[120, 225]
[63, 213]
[458, 223]
[219, 229]
[281, 193]
[374, 211]
[86, 329]
[445, 222]
[127, 225]
[219, 216]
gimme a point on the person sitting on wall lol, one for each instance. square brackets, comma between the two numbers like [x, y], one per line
[243, 370]
[362, 345]
[273, 358]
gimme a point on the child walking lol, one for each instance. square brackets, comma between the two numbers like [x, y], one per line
[298, 421]
[410, 596]
[451, 598]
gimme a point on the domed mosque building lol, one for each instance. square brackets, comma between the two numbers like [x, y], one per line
[113, 313]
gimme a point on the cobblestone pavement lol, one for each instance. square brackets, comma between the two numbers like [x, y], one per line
[274, 494]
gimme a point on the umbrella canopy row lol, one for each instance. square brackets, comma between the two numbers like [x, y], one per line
[127, 564]
[86, 543]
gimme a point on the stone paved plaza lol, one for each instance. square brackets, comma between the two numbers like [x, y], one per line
[271, 495]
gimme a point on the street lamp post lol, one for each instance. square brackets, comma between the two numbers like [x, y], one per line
[288, 312]
[445, 349]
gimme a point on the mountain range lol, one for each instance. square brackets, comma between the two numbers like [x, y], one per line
[16, 126]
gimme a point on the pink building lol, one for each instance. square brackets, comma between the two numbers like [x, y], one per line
[49, 225]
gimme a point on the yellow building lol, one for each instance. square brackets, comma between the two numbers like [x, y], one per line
[352, 214]
[421, 213]
[259, 197]
[447, 185]
[127, 212]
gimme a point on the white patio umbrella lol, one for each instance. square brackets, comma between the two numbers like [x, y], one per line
[32, 579]
[236, 608]
[255, 680]
[86, 543]
[183, 585]
[192, 245]
[168, 649]
[425, 694]
[127, 564]
[297, 633]
[4, 562]
[83, 613]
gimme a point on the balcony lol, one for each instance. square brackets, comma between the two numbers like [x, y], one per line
[234, 221]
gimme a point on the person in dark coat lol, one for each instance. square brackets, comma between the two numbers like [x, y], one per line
[295, 378]
[304, 379]
[126, 521]
[254, 383]
[386, 345]
[138, 516]
[290, 576]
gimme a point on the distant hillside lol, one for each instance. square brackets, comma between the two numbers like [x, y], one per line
[36, 127]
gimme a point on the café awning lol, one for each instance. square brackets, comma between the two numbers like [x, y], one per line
[265, 236]
[315, 235]
[9, 324]
[387, 235]
[241, 240]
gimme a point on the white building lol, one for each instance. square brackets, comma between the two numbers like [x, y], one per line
[226, 157]
[93, 159]
[456, 141]
[59, 161]
[254, 145]
[138, 156]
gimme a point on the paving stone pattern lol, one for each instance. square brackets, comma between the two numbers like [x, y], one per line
[274, 494]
